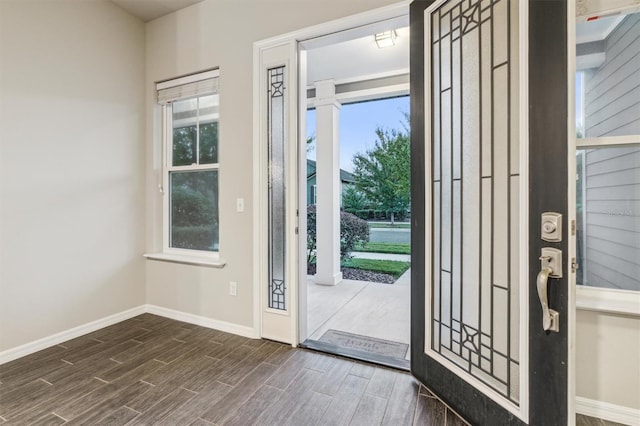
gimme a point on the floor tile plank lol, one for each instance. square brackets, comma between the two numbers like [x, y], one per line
[429, 411]
[346, 401]
[370, 411]
[121, 416]
[121, 396]
[240, 394]
[197, 406]
[402, 402]
[164, 407]
[249, 412]
[298, 393]
[49, 420]
[381, 383]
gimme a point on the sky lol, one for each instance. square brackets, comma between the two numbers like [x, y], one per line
[358, 123]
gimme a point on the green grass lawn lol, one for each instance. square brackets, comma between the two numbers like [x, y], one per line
[402, 225]
[392, 267]
[396, 248]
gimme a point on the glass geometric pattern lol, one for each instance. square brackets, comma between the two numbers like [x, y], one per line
[475, 187]
[277, 195]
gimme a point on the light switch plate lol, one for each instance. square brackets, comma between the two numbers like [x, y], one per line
[240, 205]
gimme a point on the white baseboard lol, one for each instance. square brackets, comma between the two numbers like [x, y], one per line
[38, 345]
[227, 327]
[606, 411]
[45, 342]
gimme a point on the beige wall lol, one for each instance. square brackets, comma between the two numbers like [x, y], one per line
[210, 34]
[71, 155]
[608, 358]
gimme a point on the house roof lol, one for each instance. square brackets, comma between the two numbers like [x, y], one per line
[345, 176]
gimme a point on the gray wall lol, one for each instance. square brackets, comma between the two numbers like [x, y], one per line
[612, 175]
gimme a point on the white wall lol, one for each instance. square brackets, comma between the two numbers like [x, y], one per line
[210, 34]
[71, 166]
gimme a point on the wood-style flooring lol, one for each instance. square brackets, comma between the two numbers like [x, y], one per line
[154, 370]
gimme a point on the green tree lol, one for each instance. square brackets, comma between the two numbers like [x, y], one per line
[352, 199]
[383, 173]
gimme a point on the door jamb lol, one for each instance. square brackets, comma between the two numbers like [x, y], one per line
[571, 211]
[259, 178]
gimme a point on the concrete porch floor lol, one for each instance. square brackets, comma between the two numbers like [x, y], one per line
[366, 308]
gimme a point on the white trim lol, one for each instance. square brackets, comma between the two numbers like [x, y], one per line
[63, 336]
[607, 411]
[212, 262]
[371, 76]
[608, 141]
[608, 300]
[523, 80]
[202, 321]
[290, 39]
[337, 25]
[72, 333]
[191, 78]
[571, 210]
[373, 94]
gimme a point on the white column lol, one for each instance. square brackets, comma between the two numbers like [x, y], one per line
[328, 184]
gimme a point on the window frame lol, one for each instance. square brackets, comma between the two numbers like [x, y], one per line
[590, 297]
[182, 255]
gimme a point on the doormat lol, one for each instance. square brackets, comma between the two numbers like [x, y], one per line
[365, 343]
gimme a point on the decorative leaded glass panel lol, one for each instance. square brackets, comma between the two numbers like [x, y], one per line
[475, 187]
[277, 190]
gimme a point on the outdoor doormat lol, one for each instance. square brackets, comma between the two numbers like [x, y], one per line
[365, 343]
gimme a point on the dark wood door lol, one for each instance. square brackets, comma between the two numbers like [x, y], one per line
[489, 120]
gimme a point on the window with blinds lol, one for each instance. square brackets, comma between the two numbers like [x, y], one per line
[191, 114]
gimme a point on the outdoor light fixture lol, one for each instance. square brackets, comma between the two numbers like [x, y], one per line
[386, 39]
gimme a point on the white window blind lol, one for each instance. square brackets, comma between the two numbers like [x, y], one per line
[188, 87]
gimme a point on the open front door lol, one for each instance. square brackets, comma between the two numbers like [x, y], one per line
[491, 321]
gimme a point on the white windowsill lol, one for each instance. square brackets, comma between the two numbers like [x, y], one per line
[187, 260]
[607, 300]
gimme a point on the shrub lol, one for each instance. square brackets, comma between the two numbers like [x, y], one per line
[353, 231]
[202, 237]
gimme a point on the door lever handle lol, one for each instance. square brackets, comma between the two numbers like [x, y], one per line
[551, 266]
[549, 316]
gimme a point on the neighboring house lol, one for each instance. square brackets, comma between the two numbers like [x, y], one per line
[346, 178]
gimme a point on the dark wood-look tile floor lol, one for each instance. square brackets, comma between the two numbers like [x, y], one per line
[154, 370]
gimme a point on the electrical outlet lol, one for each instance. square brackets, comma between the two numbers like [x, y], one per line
[233, 288]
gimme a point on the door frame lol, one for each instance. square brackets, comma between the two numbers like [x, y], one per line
[296, 258]
[420, 201]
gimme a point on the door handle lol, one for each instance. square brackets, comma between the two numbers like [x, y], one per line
[551, 267]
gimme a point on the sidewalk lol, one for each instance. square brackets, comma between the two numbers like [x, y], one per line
[381, 256]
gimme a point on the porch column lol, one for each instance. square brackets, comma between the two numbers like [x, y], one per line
[327, 184]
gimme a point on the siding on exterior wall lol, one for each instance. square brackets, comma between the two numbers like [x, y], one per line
[612, 175]
[612, 92]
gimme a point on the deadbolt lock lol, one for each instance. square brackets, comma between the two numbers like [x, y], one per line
[551, 227]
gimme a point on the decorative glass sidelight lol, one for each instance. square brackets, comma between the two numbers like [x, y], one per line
[475, 187]
[277, 189]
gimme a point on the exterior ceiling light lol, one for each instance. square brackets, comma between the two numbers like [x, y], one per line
[386, 39]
